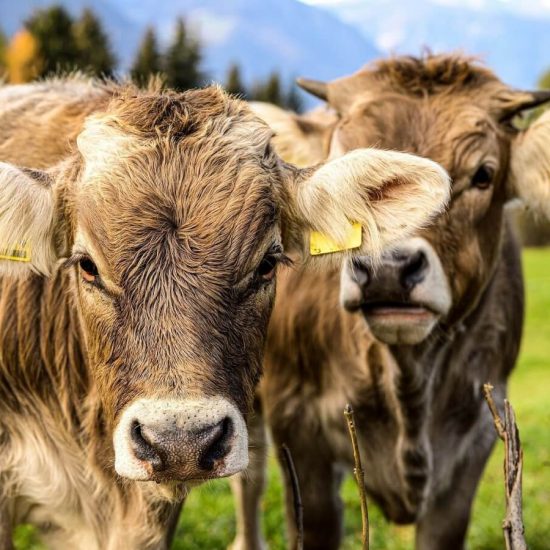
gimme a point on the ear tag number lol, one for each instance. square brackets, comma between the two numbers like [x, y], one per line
[17, 253]
[320, 243]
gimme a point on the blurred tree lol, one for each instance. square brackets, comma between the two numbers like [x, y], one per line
[53, 30]
[23, 62]
[269, 91]
[3, 46]
[544, 80]
[293, 101]
[183, 59]
[148, 59]
[234, 84]
[272, 91]
[94, 51]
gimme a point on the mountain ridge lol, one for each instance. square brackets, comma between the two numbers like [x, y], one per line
[272, 35]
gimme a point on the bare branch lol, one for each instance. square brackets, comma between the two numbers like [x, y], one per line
[359, 476]
[296, 498]
[499, 427]
[514, 530]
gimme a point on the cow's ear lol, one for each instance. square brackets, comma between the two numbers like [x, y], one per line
[302, 140]
[530, 166]
[27, 220]
[388, 194]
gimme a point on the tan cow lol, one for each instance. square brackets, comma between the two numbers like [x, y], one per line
[410, 340]
[138, 253]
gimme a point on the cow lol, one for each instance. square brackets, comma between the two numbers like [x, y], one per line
[140, 233]
[408, 340]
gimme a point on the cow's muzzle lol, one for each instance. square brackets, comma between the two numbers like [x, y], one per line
[169, 440]
[403, 298]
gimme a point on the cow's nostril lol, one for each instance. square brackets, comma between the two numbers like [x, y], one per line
[145, 449]
[361, 271]
[216, 441]
[414, 270]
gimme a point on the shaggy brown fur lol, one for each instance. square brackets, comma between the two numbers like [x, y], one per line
[181, 204]
[424, 430]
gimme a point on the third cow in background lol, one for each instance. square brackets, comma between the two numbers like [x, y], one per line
[410, 343]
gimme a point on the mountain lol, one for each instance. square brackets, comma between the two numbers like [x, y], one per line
[513, 39]
[261, 35]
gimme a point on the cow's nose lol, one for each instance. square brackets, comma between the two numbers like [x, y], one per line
[400, 270]
[171, 441]
[413, 269]
[169, 447]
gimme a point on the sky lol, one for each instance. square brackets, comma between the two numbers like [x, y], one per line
[527, 7]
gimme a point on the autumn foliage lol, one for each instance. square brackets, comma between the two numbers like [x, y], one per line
[22, 59]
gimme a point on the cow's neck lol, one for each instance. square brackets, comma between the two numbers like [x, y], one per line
[47, 400]
[41, 342]
[445, 373]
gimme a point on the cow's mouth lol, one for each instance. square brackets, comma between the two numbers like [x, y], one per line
[401, 309]
[395, 322]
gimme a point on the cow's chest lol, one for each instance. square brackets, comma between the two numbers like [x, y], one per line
[398, 467]
[52, 487]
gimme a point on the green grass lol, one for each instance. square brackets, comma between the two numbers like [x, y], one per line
[208, 520]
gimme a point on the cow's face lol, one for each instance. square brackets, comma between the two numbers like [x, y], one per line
[173, 217]
[458, 114]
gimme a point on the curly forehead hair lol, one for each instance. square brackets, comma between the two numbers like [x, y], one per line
[429, 73]
[154, 113]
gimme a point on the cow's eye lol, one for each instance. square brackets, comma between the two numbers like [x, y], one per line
[483, 178]
[89, 270]
[267, 267]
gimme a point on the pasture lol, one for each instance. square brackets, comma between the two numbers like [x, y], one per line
[208, 519]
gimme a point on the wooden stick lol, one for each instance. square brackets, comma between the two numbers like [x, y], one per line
[359, 476]
[296, 498]
[514, 530]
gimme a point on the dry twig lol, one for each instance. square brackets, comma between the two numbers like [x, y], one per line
[296, 498]
[514, 531]
[359, 476]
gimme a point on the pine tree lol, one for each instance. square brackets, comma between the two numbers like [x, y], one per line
[53, 30]
[269, 91]
[234, 83]
[148, 59]
[94, 51]
[182, 60]
[544, 81]
[293, 101]
[23, 62]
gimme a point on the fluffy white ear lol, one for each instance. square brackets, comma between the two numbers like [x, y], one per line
[530, 166]
[302, 140]
[390, 194]
[27, 212]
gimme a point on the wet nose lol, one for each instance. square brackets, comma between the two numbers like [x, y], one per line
[413, 269]
[192, 452]
[165, 440]
[400, 270]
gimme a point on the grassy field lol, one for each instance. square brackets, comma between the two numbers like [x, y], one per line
[208, 521]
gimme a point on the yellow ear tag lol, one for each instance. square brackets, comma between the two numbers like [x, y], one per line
[17, 253]
[319, 243]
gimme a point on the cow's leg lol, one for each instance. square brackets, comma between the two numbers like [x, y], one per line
[319, 480]
[248, 488]
[445, 523]
[6, 540]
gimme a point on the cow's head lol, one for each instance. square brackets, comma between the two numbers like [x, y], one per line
[172, 218]
[459, 114]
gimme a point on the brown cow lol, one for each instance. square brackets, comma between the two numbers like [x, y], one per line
[419, 333]
[137, 259]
